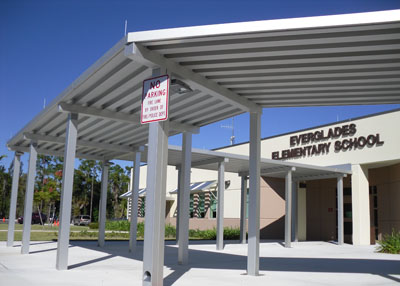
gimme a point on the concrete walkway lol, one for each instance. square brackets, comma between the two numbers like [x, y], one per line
[307, 263]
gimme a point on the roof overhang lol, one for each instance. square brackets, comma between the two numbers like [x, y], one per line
[231, 69]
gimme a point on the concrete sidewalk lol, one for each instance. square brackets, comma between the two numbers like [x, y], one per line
[307, 263]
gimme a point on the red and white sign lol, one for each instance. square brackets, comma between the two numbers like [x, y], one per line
[155, 99]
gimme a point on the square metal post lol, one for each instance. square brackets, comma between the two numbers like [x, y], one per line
[243, 209]
[295, 237]
[184, 195]
[178, 205]
[14, 195]
[103, 204]
[253, 254]
[134, 202]
[154, 231]
[340, 210]
[66, 192]
[288, 208]
[30, 185]
[220, 205]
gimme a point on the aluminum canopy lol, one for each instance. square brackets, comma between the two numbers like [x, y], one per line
[232, 68]
[234, 163]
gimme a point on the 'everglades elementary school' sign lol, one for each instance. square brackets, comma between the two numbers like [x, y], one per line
[314, 143]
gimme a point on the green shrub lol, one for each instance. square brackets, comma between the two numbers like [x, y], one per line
[140, 229]
[121, 225]
[390, 243]
[211, 234]
[94, 225]
[170, 231]
[231, 233]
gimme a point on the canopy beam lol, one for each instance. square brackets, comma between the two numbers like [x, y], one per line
[133, 119]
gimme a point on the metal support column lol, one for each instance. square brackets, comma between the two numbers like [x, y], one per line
[30, 184]
[154, 231]
[66, 191]
[184, 195]
[14, 195]
[178, 205]
[288, 208]
[243, 209]
[253, 253]
[103, 204]
[295, 236]
[220, 205]
[340, 210]
[134, 202]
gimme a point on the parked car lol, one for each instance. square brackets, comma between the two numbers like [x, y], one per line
[81, 220]
[35, 219]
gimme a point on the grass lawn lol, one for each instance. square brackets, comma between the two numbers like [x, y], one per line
[18, 226]
[35, 236]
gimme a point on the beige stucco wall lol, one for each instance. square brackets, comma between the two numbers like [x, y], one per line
[385, 124]
[272, 201]
[232, 193]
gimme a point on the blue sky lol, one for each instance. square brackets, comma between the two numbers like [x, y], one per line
[45, 45]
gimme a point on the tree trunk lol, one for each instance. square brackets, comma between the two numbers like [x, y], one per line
[116, 206]
[91, 200]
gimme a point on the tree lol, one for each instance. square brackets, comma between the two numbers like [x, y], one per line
[48, 183]
[90, 170]
[119, 181]
[5, 188]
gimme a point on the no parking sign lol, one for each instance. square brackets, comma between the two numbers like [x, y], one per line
[155, 99]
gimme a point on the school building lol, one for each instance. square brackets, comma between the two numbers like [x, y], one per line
[369, 146]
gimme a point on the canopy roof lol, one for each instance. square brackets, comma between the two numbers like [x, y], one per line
[234, 163]
[199, 187]
[231, 69]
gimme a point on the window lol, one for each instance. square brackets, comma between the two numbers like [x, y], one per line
[191, 212]
[201, 210]
[142, 207]
[213, 204]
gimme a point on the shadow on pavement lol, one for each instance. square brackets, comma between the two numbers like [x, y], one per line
[221, 260]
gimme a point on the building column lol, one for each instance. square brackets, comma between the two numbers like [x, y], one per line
[134, 202]
[243, 209]
[103, 204]
[14, 195]
[295, 236]
[66, 191]
[179, 194]
[288, 208]
[220, 205]
[302, 213]
[184, 196]
[360, 205]
[253, 253]
[340, 210]
[30, 185]
[154, 231]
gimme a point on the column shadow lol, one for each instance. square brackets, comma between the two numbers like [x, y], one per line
[219, 260]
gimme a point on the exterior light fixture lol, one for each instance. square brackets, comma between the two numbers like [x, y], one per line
[179, 86]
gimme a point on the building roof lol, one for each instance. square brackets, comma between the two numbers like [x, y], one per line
[231, 69]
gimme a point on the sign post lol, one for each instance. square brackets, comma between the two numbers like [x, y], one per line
[155, 99]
